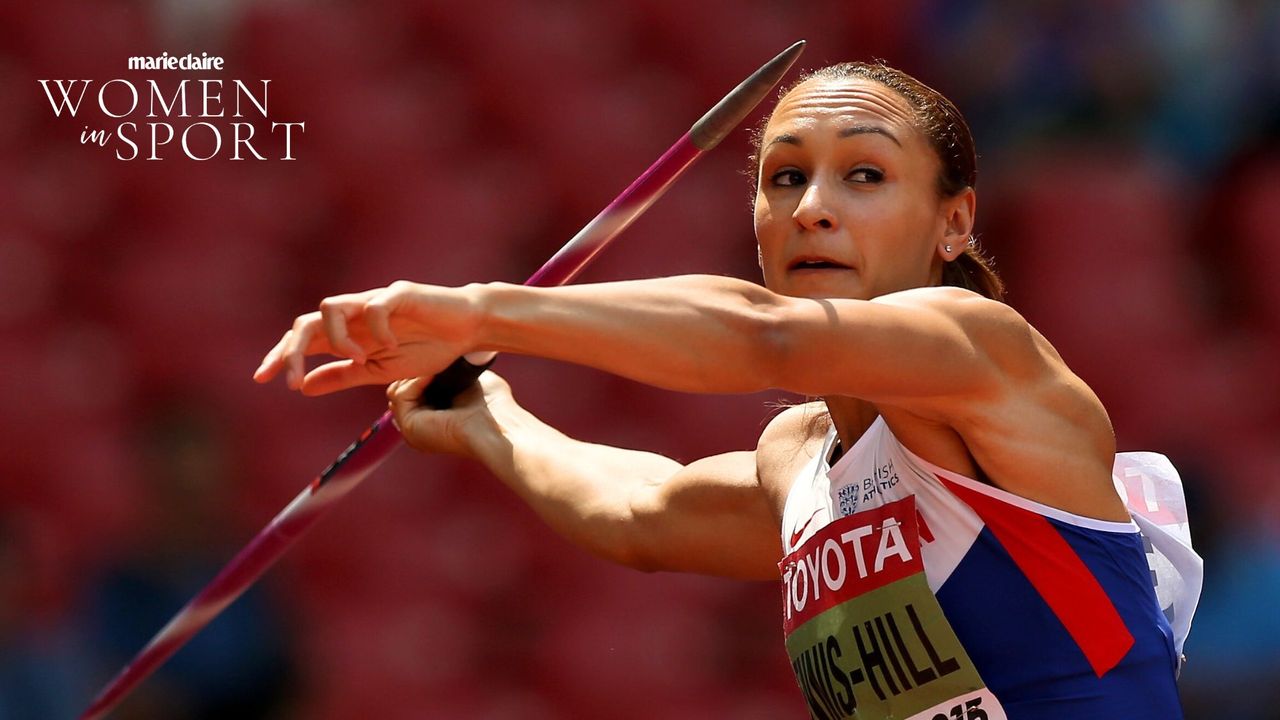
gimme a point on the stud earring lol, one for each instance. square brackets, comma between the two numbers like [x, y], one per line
[947, 247]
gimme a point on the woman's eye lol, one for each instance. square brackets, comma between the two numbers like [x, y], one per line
[788, 178]
[866, 175]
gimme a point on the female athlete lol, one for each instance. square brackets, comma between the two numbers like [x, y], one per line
[952, 541]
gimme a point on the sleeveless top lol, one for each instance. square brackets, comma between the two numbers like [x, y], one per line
[913, 592]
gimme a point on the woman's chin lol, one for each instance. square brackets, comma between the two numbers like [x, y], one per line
[825, 283]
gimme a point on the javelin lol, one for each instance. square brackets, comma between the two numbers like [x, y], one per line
[381, 438]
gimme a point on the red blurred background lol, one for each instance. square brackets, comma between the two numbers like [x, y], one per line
[1129, 172]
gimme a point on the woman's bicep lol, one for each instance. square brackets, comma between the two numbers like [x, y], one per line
[711, 517]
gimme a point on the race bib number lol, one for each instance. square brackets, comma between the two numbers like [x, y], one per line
[866, 636]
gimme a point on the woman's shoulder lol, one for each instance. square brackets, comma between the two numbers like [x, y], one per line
[1013, 352]
[792, 438]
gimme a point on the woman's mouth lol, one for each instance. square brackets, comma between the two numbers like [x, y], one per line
[816, 264]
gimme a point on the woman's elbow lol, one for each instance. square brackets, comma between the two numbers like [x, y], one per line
[775, 344]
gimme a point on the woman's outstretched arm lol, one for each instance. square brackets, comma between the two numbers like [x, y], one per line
[692, 333]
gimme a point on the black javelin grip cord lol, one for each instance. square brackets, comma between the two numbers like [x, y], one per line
[381, 438]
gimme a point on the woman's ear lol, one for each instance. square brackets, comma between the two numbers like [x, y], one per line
[958, 215]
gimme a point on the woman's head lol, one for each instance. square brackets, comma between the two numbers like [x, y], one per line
[864, 186]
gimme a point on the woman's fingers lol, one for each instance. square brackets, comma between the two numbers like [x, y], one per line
[377, 314]
[378, 369]
[289, 353]
[421, 426]
[296, 344]
[270, 362]
[326, 330]
[404, 395]
[339, 375]
[334, 314]
[428, 429]
[356, 326]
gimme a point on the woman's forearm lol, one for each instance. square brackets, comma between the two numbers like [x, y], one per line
[581, 490]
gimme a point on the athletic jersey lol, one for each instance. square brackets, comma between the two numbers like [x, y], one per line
[914, 592]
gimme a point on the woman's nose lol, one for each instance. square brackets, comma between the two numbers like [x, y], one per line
[814, 212]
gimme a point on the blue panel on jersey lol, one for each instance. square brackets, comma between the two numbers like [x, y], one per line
[1002, 621]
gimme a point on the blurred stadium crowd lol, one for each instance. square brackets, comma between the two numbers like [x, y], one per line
[1130, 173]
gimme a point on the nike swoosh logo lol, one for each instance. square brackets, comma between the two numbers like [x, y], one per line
[795, 536]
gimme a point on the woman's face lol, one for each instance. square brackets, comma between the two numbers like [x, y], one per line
[848, 203]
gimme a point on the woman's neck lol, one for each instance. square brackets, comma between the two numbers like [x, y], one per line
[851, 417]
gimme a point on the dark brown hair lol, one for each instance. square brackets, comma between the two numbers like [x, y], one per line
[941, 122]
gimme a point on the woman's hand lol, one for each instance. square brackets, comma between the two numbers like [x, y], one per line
[458, 430]
[401, 331]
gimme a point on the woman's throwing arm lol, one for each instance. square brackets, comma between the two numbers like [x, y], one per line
[637, 509]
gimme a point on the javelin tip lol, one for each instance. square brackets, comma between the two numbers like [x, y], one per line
[725, 116]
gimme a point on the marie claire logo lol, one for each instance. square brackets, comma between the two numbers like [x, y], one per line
[165, 61]
[152, 118]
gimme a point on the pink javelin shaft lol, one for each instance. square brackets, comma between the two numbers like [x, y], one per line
[381, 438]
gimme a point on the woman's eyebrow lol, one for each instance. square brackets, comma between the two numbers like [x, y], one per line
[843, 133]
[862, 129]
[784, 138]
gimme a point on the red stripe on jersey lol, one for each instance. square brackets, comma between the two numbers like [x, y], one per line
[1058, 574]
